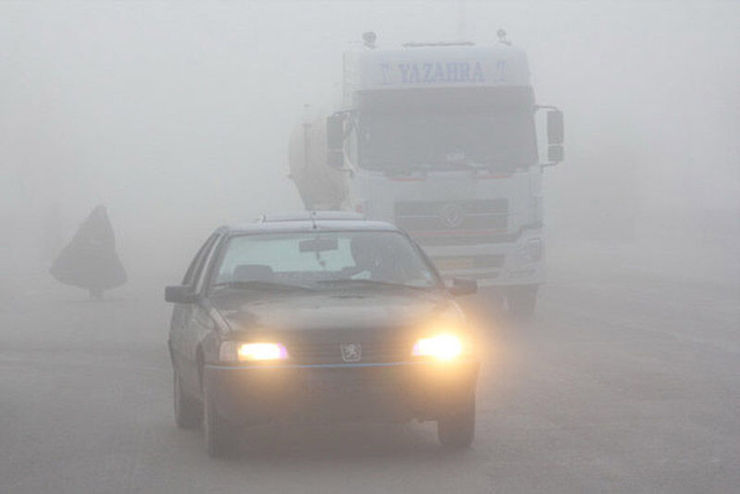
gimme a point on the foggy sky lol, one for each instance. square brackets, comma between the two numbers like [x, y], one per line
[177, 116]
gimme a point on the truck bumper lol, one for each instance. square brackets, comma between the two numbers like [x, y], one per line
[251, 395]
[495, 264]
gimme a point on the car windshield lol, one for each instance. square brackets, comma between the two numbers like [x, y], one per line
[322, 261]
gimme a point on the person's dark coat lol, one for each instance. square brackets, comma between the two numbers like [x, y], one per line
[90, 260]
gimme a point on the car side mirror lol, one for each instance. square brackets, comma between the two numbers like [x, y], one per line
[335, 140]
[459, 287]
[180, 295]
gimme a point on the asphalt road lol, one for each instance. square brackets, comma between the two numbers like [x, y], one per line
[624, 382]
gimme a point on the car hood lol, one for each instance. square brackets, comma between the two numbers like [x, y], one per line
[339, 312]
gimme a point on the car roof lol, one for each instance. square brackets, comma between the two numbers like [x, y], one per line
[312, 215]
[308, 222]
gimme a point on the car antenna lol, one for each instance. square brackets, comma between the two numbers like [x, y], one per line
[313, 219]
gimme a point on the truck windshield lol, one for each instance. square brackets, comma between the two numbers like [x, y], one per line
[444, 129]
[501, 142]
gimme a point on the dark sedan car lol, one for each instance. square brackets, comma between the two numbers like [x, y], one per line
[318, 317]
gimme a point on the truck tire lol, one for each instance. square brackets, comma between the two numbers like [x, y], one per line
[221, 437]
[457, 430]
[522, 300]
[188, 410]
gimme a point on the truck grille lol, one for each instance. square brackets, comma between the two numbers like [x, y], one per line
[454, 222]
[469, 262]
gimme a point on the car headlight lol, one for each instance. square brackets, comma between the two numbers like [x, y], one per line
[444, 346]
[235, 351]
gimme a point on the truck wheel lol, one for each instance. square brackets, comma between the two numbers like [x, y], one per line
[188, 410]
[456, 430]
[522, 300]
[221, 437]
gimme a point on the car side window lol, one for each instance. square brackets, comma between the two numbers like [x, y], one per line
[194, 269]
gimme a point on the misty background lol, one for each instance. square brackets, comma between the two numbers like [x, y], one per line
[177, 115]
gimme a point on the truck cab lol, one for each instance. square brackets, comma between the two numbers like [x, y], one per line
[440, 140]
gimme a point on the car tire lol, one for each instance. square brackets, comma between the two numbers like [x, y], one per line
[221, 437]
[188, 410]
[457, 430]
[522, 301]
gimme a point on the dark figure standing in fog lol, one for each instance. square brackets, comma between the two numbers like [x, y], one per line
[90, 260]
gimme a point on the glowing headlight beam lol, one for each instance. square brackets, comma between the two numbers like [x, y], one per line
[261, 351]
[442, 347]
[235, 351]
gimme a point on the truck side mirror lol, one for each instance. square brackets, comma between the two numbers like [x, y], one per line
[335, 140]
[555, 134]
[555, 127]
[555, 153]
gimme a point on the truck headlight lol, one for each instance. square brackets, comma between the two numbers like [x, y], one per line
[444, 346]
[235, 351]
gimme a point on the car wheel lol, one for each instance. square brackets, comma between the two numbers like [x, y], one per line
[221, 437]
[522, 300]
[456, 430]
[188, 410]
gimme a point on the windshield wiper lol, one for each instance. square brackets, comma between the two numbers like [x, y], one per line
[366, 282]
[259, 285]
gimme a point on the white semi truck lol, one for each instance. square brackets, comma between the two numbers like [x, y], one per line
[440, 139]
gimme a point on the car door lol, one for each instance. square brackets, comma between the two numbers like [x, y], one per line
[199, 323]
[182, 352]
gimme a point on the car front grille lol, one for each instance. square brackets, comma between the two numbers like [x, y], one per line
[311, 353]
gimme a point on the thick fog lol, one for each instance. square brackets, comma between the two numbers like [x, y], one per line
[176, 116]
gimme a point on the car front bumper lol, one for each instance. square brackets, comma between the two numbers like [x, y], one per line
[400, 391]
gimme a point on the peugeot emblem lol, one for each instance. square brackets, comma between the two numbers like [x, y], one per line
[452, 215]
[351, 352]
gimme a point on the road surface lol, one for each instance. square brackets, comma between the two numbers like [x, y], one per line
[625, 382]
